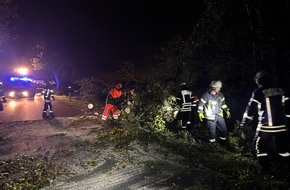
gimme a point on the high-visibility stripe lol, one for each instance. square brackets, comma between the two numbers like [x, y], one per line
[286, 154]
[183, 98]
[256, 145]
[187, 104]
[200, 109]
[210, 117]
[268, 107]
[185, 109]
[262, 154]
[272, 129]
[254, 100]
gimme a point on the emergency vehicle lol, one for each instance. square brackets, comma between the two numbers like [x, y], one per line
[19, 87]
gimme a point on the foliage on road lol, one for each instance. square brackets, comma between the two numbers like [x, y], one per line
[26, 172]
[223, 167]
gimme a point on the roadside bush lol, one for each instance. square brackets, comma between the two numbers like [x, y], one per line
[92, 89]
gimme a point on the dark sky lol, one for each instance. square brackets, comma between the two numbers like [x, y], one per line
[100, 34]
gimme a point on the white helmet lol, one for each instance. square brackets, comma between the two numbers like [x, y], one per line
[216, 84]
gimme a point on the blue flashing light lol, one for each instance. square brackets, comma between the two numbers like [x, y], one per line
[25, 79]
[13, 79]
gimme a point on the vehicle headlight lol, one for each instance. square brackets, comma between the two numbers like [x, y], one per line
[11, 94]
[25, 93]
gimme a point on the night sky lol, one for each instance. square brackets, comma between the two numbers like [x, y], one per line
[99, 35]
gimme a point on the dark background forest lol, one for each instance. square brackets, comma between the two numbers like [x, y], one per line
[231, 42]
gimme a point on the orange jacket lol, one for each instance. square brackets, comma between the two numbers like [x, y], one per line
[115, 97]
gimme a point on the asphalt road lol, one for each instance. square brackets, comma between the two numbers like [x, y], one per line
[24, 109]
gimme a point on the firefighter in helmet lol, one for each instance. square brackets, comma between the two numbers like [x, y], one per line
[48, 95]
[186, 102]
[211, 107]
[267, 106]
[113, 102]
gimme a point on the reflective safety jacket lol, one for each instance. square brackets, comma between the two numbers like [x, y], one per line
[47, 95]
[268, 104]
[212, 105]
[186, 100]
[115, 97]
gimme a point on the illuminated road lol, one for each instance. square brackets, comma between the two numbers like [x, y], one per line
[25, 109]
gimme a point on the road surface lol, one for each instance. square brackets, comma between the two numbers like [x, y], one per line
[24, 109]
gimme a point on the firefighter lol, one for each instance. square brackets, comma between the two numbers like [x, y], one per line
[266, 106]
[211, 107]
[186, 102]
[113, 102]
[2, 97]
[48, 95]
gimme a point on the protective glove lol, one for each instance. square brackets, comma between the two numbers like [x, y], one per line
[201, 116]
[228, 114]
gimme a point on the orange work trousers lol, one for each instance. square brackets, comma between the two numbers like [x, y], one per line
[109, 108]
